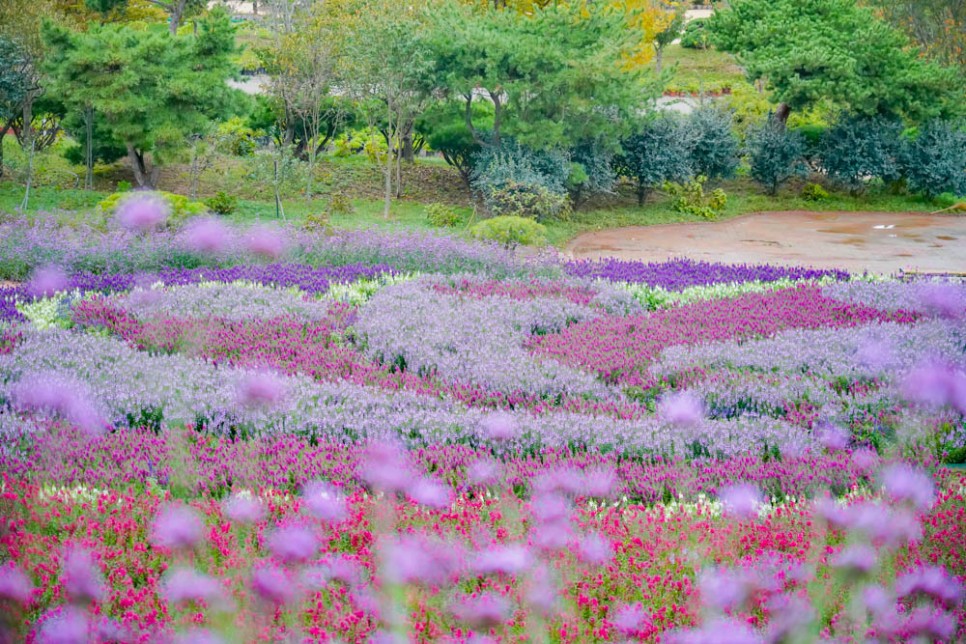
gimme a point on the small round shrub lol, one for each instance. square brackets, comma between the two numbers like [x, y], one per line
[696, 35]
[182, 208]
[814, 192]
[441, 215]
[340, 204]
[222, 203]
[528, 200]
[510, 231]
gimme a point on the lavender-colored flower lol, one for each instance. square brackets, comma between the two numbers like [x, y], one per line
[207, 235]
[883, 525]
[188, 585]
[724, 589]
[244, 509]
[61, 394]
[833, 437]
[933, 582]
[430, 493]
[506, 560]
[741, 501]
[197, 636]
[386, 468]
[417, 559]
[499, 426]
[906, 484]
[64, 625]
[46, 281]
[142, 212]
[594, 549]
[542, 595]
[856, 559]
[266, 241]
[630, 619]
[717, 631]
[15, 584]
[176, 527]
[929, 623]
[935, 383]
[261, 389]
[944, 300]
[681, 409]
[482, 612]
[271, 584]
[293, 544]
[482, 472]
[322, 502]
[81, 578]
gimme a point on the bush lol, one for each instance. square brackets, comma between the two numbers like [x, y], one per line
[181, 207]
[857, 149]
[317, 222]
[660, 151]
[814, 192]
[934, 161]
[510, 231]
[591, 171]
[222, 203]
[696, 35]
[776, 155]
[691, 199]
[714, 151]
[236, 138]
[516, 180]
[340, 204]
[532, 201]
[441, 215]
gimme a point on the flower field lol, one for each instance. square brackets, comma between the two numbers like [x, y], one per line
[221, 435]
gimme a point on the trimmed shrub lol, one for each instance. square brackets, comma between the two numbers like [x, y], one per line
[515, 180]
[591, 171]
[222, 203]
[858, 149]
[660, 151]
[441, 215]
[510, 231]
[934, 161]
[714, 151]
[691, 199]
[775, 154]
[814, 192]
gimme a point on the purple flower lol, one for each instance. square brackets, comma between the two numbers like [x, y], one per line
[717, 631]
[681, 409]
[60, 394]
[416, 559]
[81, 577]
[630, 619]
[906, 484]
[46, 281]
[934, 383]
[14, 584]
[724, 589]
[244, 509]
[943, 300]
[188, 585]
[833, 437]
[482, 612]
[261, 389]
[507, 560]
[176, 527]
[594, 549]
[932, 624]
[499, 426]
[265, 241]
[142, 212]
[64, 625]
[293, 544]
[385, 468]
[542, 593]
[933, 582]
[197, 636]
[857, 559]
[271, 584]
[207, 235]
[322, 502]
[482, 472]
[741, 500]
[430, 493]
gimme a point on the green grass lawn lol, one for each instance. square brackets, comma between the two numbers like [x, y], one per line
[697, 70]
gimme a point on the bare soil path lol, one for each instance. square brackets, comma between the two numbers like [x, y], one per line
[856, 241]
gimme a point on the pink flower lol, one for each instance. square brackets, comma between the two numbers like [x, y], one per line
[271, 584]
[143, 212]
[81, 577]
[904, 483]
[482, 472]
[322, 502]
[293, 544]
[507, 560]
[261, 389]
[482, 612]
[176, 527]
[207, 235]
[64, 625]
[265, 241]
[188, 585]
[741, 500]
[244, 509]
[681, 409]
[14, 584]
[46, 281]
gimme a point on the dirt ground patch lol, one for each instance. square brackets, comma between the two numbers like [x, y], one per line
[857, 241]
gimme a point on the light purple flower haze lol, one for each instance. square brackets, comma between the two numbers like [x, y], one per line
[15, 584]
[507, 560]
[907, 484]
[323, 502]
[292, 544]
[499, 426]
[64, 625]
[271, 584]
[482, 472]
[261, 389]
[681, 409]
[189, 585]
[430, 493]
[482, 612]
[207, 235]
[855, 559]
[244, 509]
[266, 241]
[741, 501]
[629, 619]
[176, 527]
[81, 577]
[62, 394]
[197, 636]
[46, 281]
[142, 212]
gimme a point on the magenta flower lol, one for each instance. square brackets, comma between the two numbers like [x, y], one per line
[261, 389]
[681, 409]
[292, 544]
[81, 577]
[188, 585]
[244, 509]
[46, 281]
[499, 426]
[142, 212]
[482, 612]
[322, 502]
[176, 527]
[271, 584]
[265, 241]
[741, 501]
[14, 584]
[207, 235]
[906, 484]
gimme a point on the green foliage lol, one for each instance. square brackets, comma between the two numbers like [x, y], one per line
[658, 152]
[510, 231]
[714, 151]
[14, 78]
[528, 200]
[591, 171]
[181, 208]
[236, 138]
[857, 149]
[814, 192]
[776, 155]
[834, 50]
[340, 204]
[445, 129]
[749, 108]
[222, 203]
[516, 180]
[441, 216]
[934, 161]
[317, 222]
[696, 35]
[690, 198]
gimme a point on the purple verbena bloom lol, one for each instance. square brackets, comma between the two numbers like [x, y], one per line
[81, 577]
[142, 212]
[15, 584]
[292, 544]
[682, 409]
[244, 509]
[176, 527]
[46, 281]
[482, 612]
[907, 484]
[322, 502]
[741, 501]
[271, 584]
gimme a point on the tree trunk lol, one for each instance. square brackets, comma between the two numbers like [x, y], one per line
[28, 109]
[89, 149]
[408, 152]
[177, 8]
[658, 58]
[3, 133]
[387, 203]
[641, 194]
[254, 7]
[781, 114]
[139, 168]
